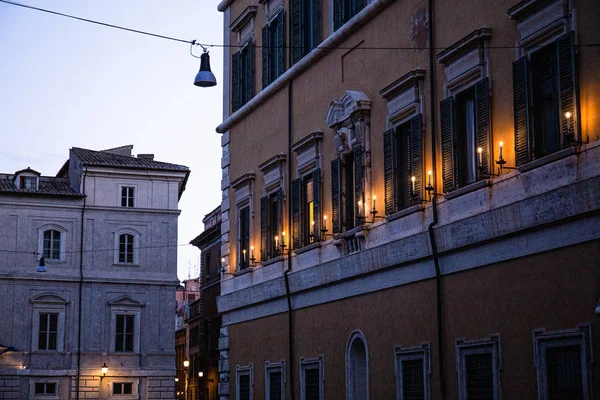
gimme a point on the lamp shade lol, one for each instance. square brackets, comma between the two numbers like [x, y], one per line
[104, 369]
[205, 77]
[42, 266]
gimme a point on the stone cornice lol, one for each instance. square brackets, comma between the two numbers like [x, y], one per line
[308, 140]
[473, 40]
[402, 83]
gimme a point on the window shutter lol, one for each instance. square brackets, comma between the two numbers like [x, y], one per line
[296, 183]
[296, 31]
[360, 4]
[448, 140]
[416, 156]
[482, 110]
[523, 140]
[250, 73]
[266, 49]
[388, 170]
[567, 81]
[337, 14]
[358, 181]
[335, 196]
[264, 204]
[316, 175]
[279, 226]
[280, 45]
[315, 23]
[235, 81]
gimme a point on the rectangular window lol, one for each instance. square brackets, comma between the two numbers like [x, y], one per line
[244, 389]
[466, 142]
[311, 378]
[207, 262]
[123, 388]
[45, 388]
[28, 182]
[563, 373]
[308, 210]
[344, 10]
[124, 333]
[275, 379]
[412, 372]
[52, 245]
[306, 27]
[127, 195]
[242, 78]
[479, 368]
[412, 380]
[48, 331]
[273, 56]
[270, 224]
[126, 248]
[349, 191]
[311, 384]
[479, 375]
[244, 237]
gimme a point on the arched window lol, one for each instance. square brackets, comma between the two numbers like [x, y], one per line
[51, 249]
[357, 367]
[126, 243]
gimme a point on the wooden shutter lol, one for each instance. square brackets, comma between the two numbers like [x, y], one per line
[264, 218]
[266, 55]
[296, 186]
[315, 22]
[448, 140]
[523, 140]
[416, 156]
[335, 196]
[279, 217]
[296, 31]
[280, 46]
[250, 73]
[482, 118]
[567, 81]
[337, 14]
[235, 81]
[358, 181]
[388, 171]
[316, 177]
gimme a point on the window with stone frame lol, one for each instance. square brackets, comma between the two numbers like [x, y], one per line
[412, 369]
[48, 388]
[244, 60]
[545, 95]
[479, 363]
[273, 42]
[127, 196]
[125, 325]
[344, 10]
[244, 385]
[244, 236]
[306, 27]
[312, 376]
[52, 245]
[275, 380]
[244, 188]
[465, 112]
[271, 207]
[49, 314]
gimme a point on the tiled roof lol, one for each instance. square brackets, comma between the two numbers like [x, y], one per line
[48, 186]
[92, 157]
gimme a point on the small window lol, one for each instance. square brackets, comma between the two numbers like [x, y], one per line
[127, 196]
[244, 237]
[45, 388]
[412, 378]
[126, 242]
[275, 380]
[29, 182]
[48, 331]
[124, 333]
[311, 378]
[412, 372]
[479, 376]
[563, 372]
[479, 365]
[244, 382]
[52, 245]
[123, 388]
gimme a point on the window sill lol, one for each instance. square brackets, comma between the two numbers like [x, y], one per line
[126, 265]
[243, 271]
[272, 261]
[549, 159]
[308, 247]
[405, 212]
[352, 232]
[468, 189]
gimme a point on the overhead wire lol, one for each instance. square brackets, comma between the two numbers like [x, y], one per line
[194, 42]
[94, 250]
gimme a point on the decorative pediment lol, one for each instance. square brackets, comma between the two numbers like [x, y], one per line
[48, 298]
[125, 301]
[343, 111]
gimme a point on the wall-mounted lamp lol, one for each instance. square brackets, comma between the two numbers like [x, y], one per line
[222, 266]
[200, 374]
[104, 370]
[176, 379]
[204, 77]
[186, 363]
[42, 266]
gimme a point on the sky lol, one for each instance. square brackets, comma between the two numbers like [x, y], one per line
[66, 83]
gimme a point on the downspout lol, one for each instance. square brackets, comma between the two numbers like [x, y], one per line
[434, 251]
[289, 258]
[80, 287]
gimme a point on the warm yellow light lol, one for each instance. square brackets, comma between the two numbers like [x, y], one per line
[324, 217]
[200, 374]
[176, 379]
[282, 233]
[479, 150]
[568, 115]
[223, 260]
[186, 363]
[501, 144]
[104, 369]
[413, 179]
[312, 223]
[429, 172]
[359, 203]
[374, 197]
[252, 248]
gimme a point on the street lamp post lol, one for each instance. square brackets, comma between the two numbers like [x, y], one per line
[186, 364]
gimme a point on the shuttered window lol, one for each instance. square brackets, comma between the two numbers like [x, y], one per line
[403, 154]
[306, 209]
[344, 10]
[273, 55]
[465, 125]
[544, 91]
[244, 237]
[242, 76]
[270, 224]
[306, 27]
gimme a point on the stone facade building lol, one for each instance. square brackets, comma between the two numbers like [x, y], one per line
[410, 199]
[106, 230]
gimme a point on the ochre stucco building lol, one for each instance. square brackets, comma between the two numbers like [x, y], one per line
[471, 128]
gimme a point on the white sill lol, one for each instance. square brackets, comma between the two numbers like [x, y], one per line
[118, 264]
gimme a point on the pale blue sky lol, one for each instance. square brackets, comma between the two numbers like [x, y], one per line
[66, 83]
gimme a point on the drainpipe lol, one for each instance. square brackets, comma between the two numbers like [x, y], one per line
[289, 258]
[434, 252]
[80, 287]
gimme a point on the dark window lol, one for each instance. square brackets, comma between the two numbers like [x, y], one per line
[52, 245]
[127, 193]
[306, 209]
[312, 388]
[270, 224]
[244, 237]
[45, 388]
[275, 385]
[563, 373]
[124, 333]
[207, 262]
[349, 185]
[347, 191]
[306, 27]
[244, 389]
[126, 248]
[28, 182]
[344, 10]
[48, 331]
[479, 376]
[273, 55]
[242, 76]
[466, 143]
[123, 388]
[413, 387]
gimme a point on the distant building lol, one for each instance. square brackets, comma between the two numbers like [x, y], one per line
[185, 295]
[106, 230]
[410, 198]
